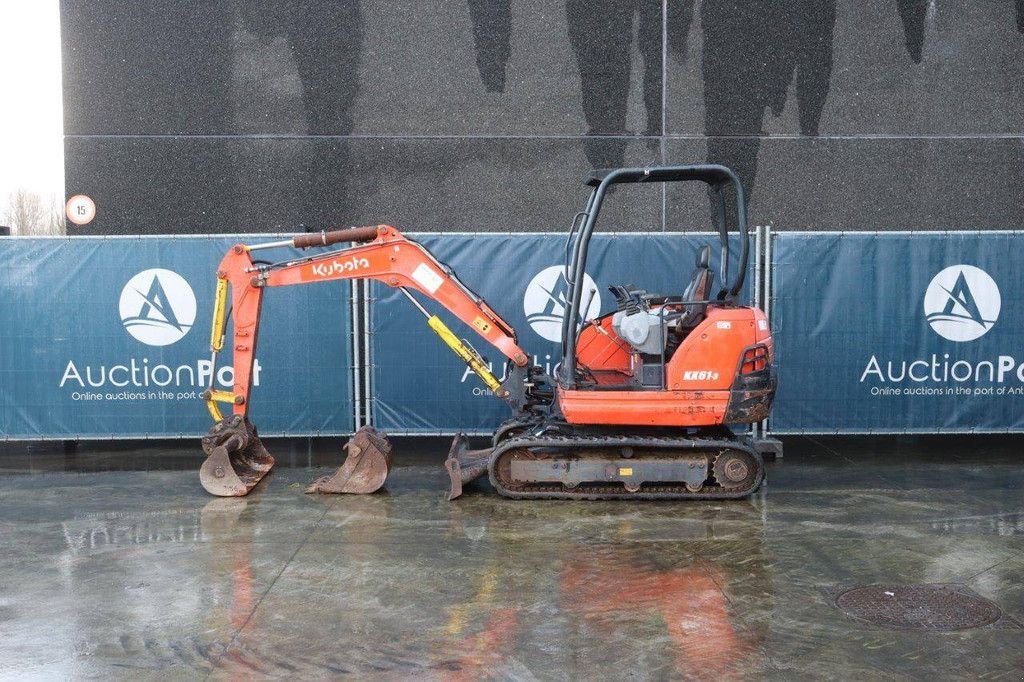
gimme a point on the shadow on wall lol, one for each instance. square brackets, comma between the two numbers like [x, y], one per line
[178, 50]
[601, 34]
[173, 75]
[914, 14]
[492, 38]
[744, 77]
[328, 67]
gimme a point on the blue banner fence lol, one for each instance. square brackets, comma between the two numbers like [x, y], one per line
[897, 332]
[107, 337]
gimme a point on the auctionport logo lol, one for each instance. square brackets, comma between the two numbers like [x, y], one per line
[545, 301]
[962, 303]
[157, 307]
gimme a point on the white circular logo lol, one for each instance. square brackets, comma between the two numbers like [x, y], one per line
[546, 299]
[80, 209]
[157, 307]
[962, 303]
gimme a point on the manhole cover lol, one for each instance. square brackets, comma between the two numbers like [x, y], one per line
[919, 607]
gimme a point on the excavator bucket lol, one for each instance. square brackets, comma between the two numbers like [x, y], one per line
[235, 458]
[365, 468]
[464, 465]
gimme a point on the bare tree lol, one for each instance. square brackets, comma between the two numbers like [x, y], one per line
[57, 222]
[33, 213]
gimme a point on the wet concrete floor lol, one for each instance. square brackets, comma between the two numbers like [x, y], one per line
[114, 563]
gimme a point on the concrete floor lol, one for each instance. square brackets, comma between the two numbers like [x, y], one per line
[110, 570]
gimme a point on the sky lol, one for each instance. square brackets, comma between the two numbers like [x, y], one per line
[31, 124]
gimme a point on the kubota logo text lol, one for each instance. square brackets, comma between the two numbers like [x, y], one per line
[157, 307]
[336, 267]
[546, 299]
[962, 303]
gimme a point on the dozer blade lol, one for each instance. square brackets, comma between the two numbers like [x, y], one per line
[464, 465]
[365, 469]
[235, 458]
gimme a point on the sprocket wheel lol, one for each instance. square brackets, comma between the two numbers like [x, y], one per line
[734, 470]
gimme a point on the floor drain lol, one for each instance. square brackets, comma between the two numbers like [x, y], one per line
[919, 607]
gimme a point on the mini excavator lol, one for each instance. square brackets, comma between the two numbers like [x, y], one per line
[640, 407]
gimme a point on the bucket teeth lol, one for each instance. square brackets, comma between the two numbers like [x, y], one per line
[365, 469]
[235, 458]
[464, 465]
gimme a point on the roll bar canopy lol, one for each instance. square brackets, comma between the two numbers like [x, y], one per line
[717, 178]
[709, 173]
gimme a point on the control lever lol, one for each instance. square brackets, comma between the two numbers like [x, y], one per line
[585, 307]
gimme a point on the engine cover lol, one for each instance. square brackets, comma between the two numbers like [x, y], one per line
[643, 330]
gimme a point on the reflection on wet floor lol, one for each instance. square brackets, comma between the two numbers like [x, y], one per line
[140, 574]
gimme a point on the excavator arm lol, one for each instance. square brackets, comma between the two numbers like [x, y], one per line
[382, 253]
[236, 459]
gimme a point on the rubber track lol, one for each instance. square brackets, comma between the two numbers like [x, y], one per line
[617, 492]
[510, 425]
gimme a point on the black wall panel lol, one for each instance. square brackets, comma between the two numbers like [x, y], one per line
[223, 184]
[255, 115]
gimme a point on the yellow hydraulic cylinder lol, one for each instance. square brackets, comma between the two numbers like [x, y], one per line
[220, 306]
[468, 355]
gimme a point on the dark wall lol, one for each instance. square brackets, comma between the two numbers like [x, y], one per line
[484, 115]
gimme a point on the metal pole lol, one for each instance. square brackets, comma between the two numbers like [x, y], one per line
[768, 274]
[757, 265]
[367, 353]
[357, 396]
[758, 274]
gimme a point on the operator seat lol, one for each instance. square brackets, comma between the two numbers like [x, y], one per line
[699, 289]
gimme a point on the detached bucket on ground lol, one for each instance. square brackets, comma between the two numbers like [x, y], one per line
[364, 470]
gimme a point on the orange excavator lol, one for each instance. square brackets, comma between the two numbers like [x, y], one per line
[640, 407]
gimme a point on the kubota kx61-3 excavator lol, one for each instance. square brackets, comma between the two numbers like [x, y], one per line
[640, 405]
